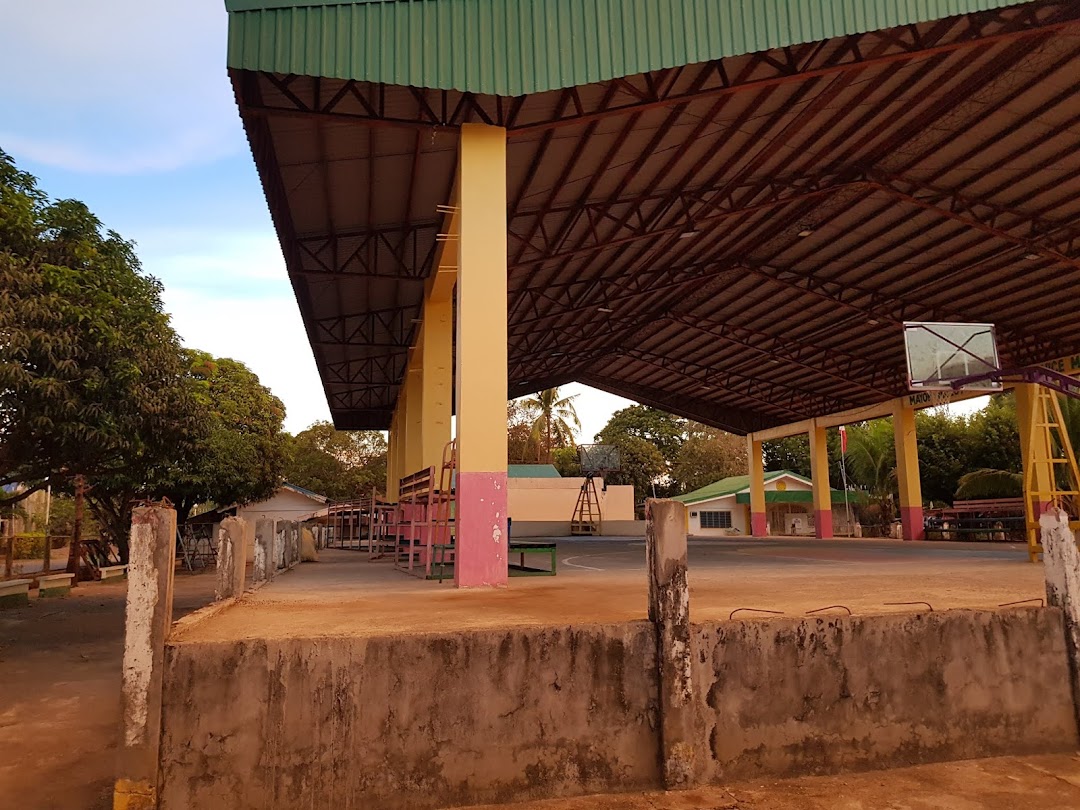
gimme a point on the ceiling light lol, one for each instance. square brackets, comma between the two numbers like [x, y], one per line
[1032, 257]
[604, 309]
[689, 233]
[417, 320]
[805, 232]
[873, 322]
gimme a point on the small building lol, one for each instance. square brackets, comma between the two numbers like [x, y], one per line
[541, 503]
[722, 509]
[289, 502]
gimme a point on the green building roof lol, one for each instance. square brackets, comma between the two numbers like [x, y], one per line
[737, 483]
[513, 47]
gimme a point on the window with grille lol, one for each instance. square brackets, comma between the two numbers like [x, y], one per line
[716, 520]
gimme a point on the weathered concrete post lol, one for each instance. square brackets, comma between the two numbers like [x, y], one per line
[231, 557]
[681, 724]
[148, 621]
[294, 544]
[265, 562]
[1061, 567]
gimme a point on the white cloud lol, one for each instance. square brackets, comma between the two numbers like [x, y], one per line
[120, 87]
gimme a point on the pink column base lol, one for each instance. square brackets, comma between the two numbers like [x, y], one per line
[758, 524]
[823, 524]
[480, 516]
[911, 519]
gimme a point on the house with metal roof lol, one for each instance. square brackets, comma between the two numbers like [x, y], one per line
[722, 508]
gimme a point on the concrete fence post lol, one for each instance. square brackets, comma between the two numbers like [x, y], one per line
[147, 624]
[231, 558]
[293, 545]
[1061, 567]
[681, 723]
[265, 561]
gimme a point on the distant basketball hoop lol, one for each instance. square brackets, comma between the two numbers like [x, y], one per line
[939, 355]
[597, 459]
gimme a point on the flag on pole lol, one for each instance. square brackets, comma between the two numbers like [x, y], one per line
[843, 440]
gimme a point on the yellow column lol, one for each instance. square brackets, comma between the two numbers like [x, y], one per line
[819, 474]
[481, 556]
[758, 522]
[436, 350]
[907, 471]
[413, 417]
[392, 470]
[1026, 417]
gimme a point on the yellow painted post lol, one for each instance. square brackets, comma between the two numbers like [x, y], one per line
[436, 350]
[392, 471]
[907, 471]
[481, 553]
[758, 524]
[413, 417]
[819, 473]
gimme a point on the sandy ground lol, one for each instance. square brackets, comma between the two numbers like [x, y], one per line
[1050, 782]
[60, 665]
[603, 581]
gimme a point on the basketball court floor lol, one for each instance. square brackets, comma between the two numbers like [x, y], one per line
[603, 580]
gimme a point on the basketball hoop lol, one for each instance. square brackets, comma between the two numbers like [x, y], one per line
[597, 459]
[940, 355]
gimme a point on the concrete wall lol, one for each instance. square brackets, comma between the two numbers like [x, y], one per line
[561, 528]
[493, 716]
[553, 499]
[409, 722]
[792, 696]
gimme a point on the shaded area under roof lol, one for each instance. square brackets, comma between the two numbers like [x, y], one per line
[735, 241]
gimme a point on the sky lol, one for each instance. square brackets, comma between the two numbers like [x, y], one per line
[126, 105]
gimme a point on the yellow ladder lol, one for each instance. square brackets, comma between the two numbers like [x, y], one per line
[1049, 450]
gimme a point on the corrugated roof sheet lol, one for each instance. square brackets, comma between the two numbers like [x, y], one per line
[532, 471]
[513, 47]
[727, 486]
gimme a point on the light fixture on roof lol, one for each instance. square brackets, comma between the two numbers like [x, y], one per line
[1032, 257]
[604, 309]
[873, 322]
[417, 320]
[805, 232]
[689, 233]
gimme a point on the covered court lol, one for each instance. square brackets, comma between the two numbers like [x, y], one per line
[604, 582]
[724, 210]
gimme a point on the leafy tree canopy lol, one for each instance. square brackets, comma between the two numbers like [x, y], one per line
[337, 463]
[90, 370]
[661, 429]
[707, 455]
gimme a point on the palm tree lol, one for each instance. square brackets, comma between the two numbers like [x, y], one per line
[555, 422]
[871, 460]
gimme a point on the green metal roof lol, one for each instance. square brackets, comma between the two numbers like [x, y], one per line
[802, 496]
[728, 486]
[532, 471]
[513, 47]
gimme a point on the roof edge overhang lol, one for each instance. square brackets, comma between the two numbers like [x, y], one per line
[516, 47]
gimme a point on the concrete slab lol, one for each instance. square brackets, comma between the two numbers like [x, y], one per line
[603, 581]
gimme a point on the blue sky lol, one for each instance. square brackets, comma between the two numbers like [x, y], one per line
[126, 105]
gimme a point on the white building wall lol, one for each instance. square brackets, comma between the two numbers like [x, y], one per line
[726, 503]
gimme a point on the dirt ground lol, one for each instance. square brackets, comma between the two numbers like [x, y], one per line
[60, 665]
[1050, 782]
[603, 581]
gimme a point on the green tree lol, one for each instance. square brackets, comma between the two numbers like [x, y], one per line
[945, 445]
[91, 376]
[642, 465]
[566, 461]
[521, 444]
[662, 430]
[790, 453]
[339, 464]
[237, 455]
[707, 455]
[871, 464]
[554, 423]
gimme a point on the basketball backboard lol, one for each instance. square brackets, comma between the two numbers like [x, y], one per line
[598, 458]
[939, 353]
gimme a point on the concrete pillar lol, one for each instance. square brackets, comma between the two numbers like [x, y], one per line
[414, 414]
[393, 472]
[1061, 567]
[437, 359]
[681, 722]
[147, 623]
[907, 473]
[231, 557]
[481, 558]
[756, 455]
[819, 474]
[264, 551]
[292, 553]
